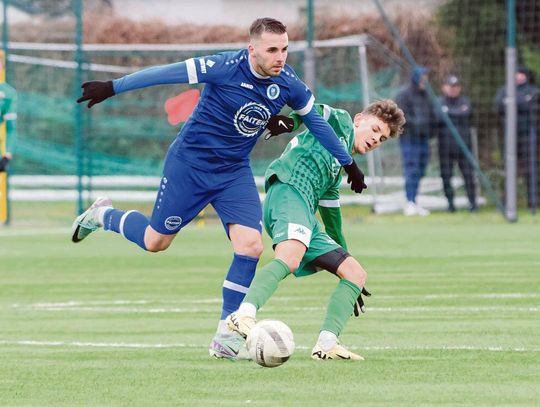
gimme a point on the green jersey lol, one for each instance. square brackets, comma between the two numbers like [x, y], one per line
[308, 166]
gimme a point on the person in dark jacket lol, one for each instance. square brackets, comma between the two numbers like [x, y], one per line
[459, 109]
[4, 161]
[528, 116]
[414, 143]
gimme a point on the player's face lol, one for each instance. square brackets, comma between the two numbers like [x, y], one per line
[369, 133]
[268, 53]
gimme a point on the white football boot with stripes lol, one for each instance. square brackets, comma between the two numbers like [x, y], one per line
[88, 221]
[240, 324]
[338, 352]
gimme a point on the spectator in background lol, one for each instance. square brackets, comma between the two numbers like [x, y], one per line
[459, 109]
[527, 98]
[4, 161]
[414, 143]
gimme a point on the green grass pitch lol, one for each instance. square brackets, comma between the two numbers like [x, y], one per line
[454, 319]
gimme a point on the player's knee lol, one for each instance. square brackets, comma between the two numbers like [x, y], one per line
[251, 247]
[156, 245]
[351, 270]
[361, 277]
[292, 264]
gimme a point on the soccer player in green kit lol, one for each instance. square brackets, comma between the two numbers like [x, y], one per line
[305, 179]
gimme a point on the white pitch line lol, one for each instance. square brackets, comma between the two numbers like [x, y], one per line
[215, 300]
[69, 304]
[190, 310]
[34, 232]
[301, 347]
[118, 307]
[489, 295]
[124, 310]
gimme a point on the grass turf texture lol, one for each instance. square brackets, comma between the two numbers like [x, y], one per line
[453, 319]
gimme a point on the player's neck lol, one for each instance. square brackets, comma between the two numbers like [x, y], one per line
[253, 70]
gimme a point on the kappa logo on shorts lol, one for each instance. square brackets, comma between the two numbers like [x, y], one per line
[173, 222]
[299, 232]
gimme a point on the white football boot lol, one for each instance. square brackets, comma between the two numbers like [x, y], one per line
[338, 352]
[228, 346]
[88, 221]
[239, 323]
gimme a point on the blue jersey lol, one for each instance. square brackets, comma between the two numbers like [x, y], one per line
[234, 107]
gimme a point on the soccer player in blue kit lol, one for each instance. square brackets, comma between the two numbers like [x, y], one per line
[208, 162]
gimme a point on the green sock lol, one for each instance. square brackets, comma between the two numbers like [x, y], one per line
[340, 306]
[266, 282]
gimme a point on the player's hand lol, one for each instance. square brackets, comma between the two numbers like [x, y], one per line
[355, 177]
[359, 307]
[96, 92]
[278, 125]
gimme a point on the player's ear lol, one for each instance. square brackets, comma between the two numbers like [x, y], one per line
[357, 118]
[251, 48]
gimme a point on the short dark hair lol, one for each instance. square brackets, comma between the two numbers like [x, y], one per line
[266, 24]
[389, 112]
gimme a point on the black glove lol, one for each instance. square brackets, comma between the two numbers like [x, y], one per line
[278, 125]
[359, 304]
[96, 92]
[355, 177]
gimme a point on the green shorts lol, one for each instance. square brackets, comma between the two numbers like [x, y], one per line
[287, 217]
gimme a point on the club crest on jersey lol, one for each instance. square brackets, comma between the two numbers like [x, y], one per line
[173, 222]
[251, 118]
[272, 91]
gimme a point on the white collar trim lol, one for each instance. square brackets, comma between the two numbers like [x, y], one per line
[257, 75]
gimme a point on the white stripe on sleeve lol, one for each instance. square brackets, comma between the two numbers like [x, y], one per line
[192, 71]
[327, 203]
[307, 108]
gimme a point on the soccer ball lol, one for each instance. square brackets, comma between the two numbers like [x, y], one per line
[270, 343]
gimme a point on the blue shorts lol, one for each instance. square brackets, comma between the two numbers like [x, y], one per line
[184, 191]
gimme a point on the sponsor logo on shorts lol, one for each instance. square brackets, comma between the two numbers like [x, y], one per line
[173, 222]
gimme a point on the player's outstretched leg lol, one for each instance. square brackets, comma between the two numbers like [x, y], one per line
[340, 309]
[229, 346]
[263, 286]
[89, 220]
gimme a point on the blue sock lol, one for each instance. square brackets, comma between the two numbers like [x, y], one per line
[130, 224]
[237, 282]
